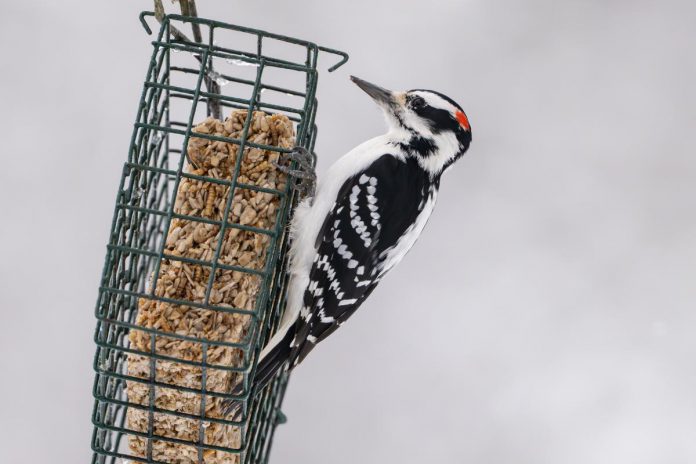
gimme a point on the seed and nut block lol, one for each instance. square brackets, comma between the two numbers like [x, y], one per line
[184, 281]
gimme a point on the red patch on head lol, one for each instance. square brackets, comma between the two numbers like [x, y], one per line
[463, 120]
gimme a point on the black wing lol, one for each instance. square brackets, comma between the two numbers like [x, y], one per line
[372, 211]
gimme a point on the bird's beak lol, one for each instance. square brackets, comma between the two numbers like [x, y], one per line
[378, 94]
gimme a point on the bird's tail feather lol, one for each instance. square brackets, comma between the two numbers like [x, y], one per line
[272, 361]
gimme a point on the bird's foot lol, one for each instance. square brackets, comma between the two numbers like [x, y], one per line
[305, 176]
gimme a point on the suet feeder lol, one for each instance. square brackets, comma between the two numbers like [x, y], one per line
[195, 272]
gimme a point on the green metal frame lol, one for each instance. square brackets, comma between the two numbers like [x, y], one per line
[144, 210]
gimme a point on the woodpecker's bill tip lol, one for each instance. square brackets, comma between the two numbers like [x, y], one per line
[377, 93]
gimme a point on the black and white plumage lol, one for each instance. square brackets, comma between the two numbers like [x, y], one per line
[367, 213]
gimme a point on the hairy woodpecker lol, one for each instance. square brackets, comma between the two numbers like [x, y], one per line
[366, 214]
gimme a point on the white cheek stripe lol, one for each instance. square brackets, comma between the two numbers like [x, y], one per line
[437, 101]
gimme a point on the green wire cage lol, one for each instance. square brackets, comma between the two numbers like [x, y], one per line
[226, 68]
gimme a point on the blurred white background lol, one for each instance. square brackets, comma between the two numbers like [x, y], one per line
[547, 314]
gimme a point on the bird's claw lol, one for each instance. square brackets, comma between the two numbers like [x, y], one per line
[303, 157]
[305, 177]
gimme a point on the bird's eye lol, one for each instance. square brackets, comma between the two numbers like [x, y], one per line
[417, 102]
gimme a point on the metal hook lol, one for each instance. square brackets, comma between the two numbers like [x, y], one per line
[146, 26]
[335, 52]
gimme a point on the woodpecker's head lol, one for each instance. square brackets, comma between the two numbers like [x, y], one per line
[427, 124]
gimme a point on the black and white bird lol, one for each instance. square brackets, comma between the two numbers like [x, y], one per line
[367, 213]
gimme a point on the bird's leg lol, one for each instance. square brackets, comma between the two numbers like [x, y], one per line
[303, 172]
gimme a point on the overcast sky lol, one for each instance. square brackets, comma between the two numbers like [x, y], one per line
[546, 315]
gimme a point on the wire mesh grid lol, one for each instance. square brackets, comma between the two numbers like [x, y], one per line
[234, 68]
